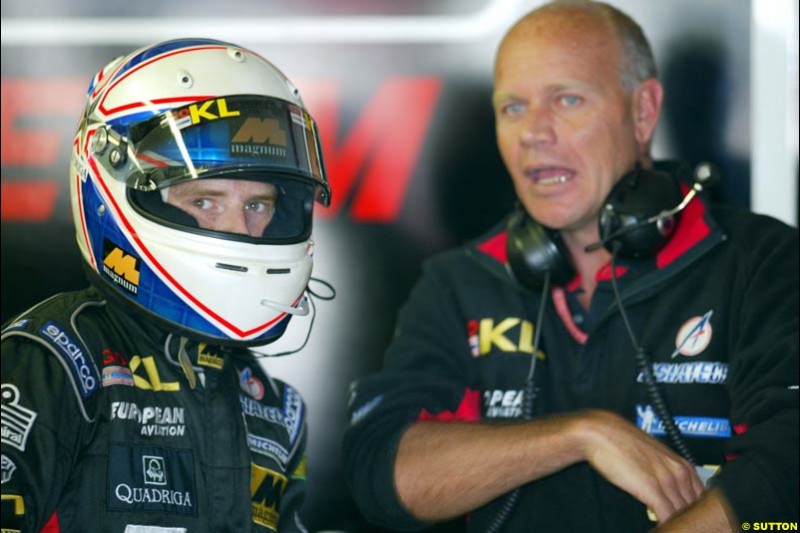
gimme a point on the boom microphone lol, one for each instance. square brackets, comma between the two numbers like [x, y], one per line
[705, 175]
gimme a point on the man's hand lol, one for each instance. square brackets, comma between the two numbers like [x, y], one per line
[638, 464]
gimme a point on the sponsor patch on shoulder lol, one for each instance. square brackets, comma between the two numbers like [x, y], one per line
[17, 420]
[82, 369]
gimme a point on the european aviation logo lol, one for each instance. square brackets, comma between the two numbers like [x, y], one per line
[694, 336]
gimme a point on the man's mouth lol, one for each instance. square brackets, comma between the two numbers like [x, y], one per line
[549, 176]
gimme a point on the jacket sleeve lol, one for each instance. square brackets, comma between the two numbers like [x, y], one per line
[760, 479]
[425, 376]
[41, 423]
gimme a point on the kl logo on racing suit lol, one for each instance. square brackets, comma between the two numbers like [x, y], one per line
[510, 335]
[153, 379]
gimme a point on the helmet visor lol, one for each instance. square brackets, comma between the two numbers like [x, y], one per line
[261, 209]
[228, 135]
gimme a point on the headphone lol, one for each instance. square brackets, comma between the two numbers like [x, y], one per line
[637, 219]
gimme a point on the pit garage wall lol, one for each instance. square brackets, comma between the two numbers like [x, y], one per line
[401, 91]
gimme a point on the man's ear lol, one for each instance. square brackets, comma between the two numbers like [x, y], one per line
[647, 99]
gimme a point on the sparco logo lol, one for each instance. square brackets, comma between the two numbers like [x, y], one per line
[81, 367]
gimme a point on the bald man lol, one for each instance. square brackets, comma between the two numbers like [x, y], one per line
[450, 426]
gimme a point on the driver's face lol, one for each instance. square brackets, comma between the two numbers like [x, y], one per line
[233, 206]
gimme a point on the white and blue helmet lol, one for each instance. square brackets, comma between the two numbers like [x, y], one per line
[195, 109]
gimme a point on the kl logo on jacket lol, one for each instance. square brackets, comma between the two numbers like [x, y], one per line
[509, 335]
[694, 336]
[153, 379]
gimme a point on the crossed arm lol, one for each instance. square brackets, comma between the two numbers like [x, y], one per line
[462, 475]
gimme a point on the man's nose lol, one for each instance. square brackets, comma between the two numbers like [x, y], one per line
[538, 128]
[235, 222]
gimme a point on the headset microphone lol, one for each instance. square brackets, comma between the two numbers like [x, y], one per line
[624, 223]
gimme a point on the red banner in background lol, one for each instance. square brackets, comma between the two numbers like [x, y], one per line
[370, 166]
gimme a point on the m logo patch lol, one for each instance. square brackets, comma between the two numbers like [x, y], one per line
[257, 130]
[266, 489]
[121, 267]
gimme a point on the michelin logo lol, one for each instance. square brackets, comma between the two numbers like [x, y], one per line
[689, 426]
[81, 367]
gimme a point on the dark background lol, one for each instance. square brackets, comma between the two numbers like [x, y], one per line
[401, 91]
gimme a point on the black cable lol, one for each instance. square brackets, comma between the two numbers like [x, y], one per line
[528, 404]
[328, 285]
[646, 368]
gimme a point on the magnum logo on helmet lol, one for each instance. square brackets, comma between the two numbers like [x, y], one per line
[260, 136]
[121, 266]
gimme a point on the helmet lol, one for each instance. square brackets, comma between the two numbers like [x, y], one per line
[198, 113]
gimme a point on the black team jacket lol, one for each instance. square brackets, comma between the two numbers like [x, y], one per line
[717, 312]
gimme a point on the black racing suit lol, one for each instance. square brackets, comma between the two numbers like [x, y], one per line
[717, 312]
[103, 432]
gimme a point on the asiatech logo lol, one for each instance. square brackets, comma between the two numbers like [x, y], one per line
[121, 266]
[251, 384]
[694, 336]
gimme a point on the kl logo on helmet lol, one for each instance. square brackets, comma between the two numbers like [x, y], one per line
[203, 112]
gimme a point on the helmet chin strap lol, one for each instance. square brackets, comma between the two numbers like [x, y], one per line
[300, 310]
